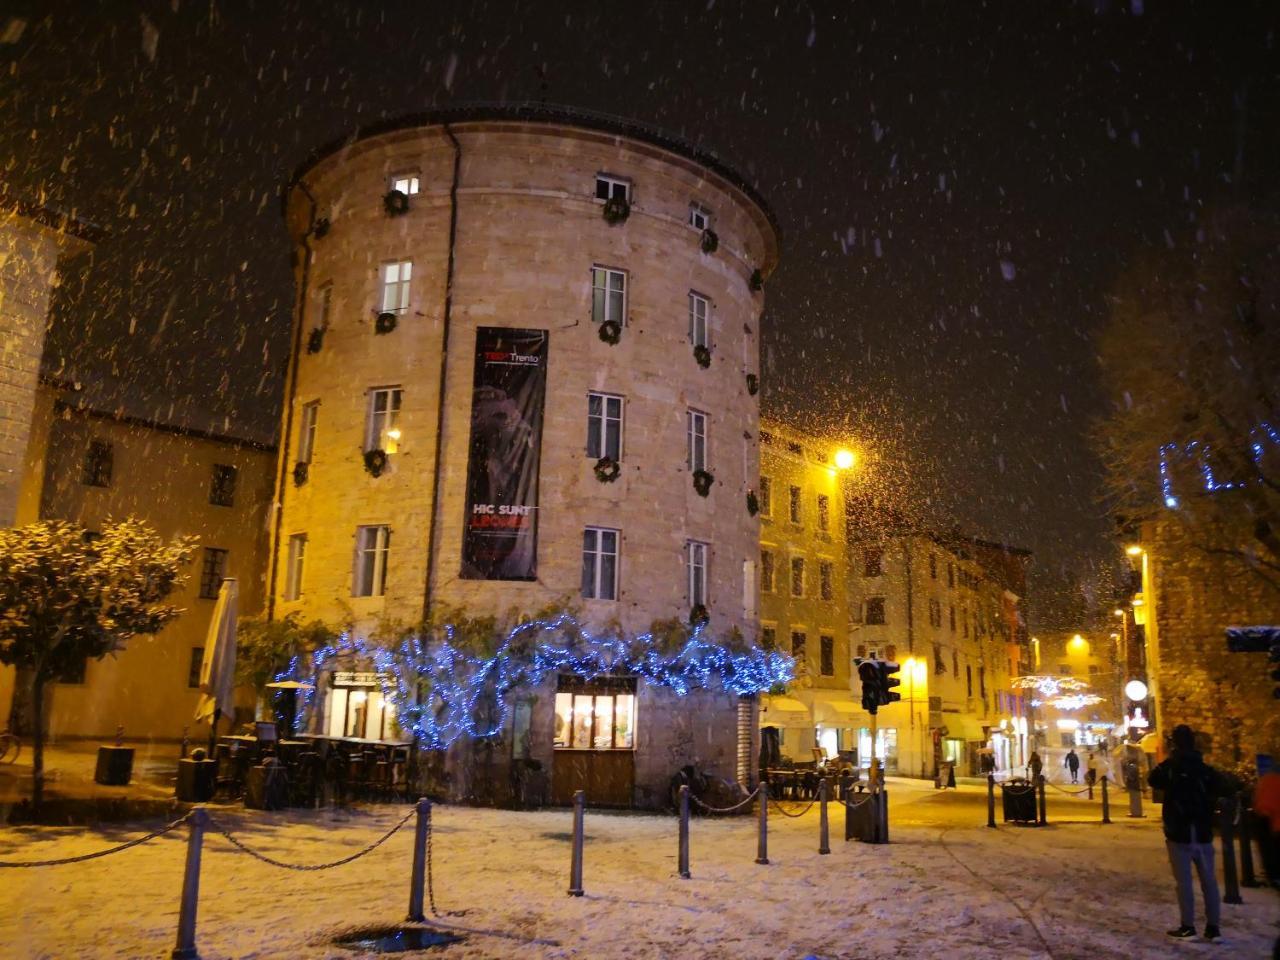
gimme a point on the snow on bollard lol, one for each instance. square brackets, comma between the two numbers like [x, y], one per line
[684, 832]
[762, 845]
[418, 879]
[186, 945]
[575, 864]
[824, 832]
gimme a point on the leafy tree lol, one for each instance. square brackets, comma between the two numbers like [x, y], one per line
[264, 647]
[67, 594]
[1191, 362]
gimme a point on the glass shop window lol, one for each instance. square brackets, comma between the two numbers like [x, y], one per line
[600, 715]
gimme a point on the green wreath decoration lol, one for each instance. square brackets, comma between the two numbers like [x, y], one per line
[616, 210]
[321, 228]
[301, 470]
[753, 384]
[375, 461]
[698, 615]
[710, 241]
[607, 469]
[702, 355]
[395, 203]
[315, 340]
[702, 481]
[386, 322]
[753, 503]
[757, 281]
[611, 332]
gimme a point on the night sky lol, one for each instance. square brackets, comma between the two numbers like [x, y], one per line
[958, 186]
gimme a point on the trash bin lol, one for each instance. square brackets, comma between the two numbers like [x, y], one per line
[197, 780]
[1019, 799]
[115, 766]
[859, 817]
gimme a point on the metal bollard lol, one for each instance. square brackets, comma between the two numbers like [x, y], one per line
[1043, 818]
[1230, 884]
[1089, 784]
[1135, 802]
[991, 800]
[684, 831]
[419, 878]
[1247, 877]
[824, 831]
[186, 945]
[1106, 801]
[762, 845]
[883, 814]
[575, 865]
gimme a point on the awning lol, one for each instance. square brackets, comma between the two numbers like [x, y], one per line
[962, 726]
[783, 712]
[842, 713]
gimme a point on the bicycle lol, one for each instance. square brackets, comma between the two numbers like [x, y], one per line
[10, 747]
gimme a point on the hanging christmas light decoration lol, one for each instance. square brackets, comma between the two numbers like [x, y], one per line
[1048, 686]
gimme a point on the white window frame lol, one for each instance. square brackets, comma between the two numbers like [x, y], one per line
[382, 427]
[409, 179]
[699, 217]
[295, 566]
[697, 557]
[308, 417]
[791, 576]
[613, 182]
[699, 319]
[593, 551]
[602, 278]
[795, 505]
[598, 425]
[374, 541]
[697, 435]
[396, 282]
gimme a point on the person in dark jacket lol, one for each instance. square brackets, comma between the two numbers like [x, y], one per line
[1072, 763]
[1191, 789]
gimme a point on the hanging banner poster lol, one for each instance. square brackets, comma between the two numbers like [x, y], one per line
[500, 535]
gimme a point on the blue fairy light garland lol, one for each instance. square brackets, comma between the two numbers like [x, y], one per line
[1263, 432]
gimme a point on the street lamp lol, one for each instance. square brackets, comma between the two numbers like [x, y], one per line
[845, 458]
[1133, 550]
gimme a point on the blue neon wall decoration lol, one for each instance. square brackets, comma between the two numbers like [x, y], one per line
[437, 689]
[1263, 432]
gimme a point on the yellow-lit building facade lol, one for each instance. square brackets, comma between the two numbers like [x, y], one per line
[1091, 658]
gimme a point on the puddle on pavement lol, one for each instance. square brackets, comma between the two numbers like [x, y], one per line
[397, 940]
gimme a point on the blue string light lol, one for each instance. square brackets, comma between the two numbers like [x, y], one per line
[437, 688]
[1200, 451]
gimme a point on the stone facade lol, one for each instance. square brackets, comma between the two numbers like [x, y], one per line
[1190, 598]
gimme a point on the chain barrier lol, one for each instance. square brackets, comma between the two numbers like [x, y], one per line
[777, 805]
[862, 798]
[737, 806]
[1069, 793]
[1016, 791]
[431, 887]
[240, 845]
[100, 853]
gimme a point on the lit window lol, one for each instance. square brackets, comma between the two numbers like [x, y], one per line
[612, 188]
[595, 716]
[797, 576]
[604, 426]
[608, 295]
[696, 563]
[212, 570]
[293, 571]
[372, 546]
[875, 611]
[827, 656]
[871, 561]
[600, 564]
[382, 427]
[395, 286]
[795, 504]
[307, 431]
[766, 571]
[824, 579]
[222, 485]
[798, 640]
[699, 217]
[97, 464]
[766, 497]
[406, 183]
[824, 512]
[697, 436]
[698, 319]
[325, 306]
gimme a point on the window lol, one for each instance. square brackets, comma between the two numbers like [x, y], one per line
[608, 295]
[604, 426]
[766, 571]
[697, 424]
[222, 485]
[97, 464]
[766, 497]
[891, 653]
[955, 662]
[1093, 669]
[798, 639]
[982, 682]
[600, 715]
[698, 320]
[768, 638]
[325, 296]
[307, 431]
[875, 611]
[600, 563]
[935, 613]
[699, 217]
[797, 576]
[293, 572]
[964, 623]
[696, 562]
[824, 579]
[827, 656]
[951, 574]
[212, 570]
[612, 188]
[193, 667]
[1064, 669]
[939, 665]
[871, 561]
[824, 512]
[795, 505]
[968, 680]
[406, 183]
[382, 428]
[74, 672]
[933, 566]
[370, 579]
[395, 286]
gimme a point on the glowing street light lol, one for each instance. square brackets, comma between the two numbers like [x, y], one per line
[845, 458]
[1133, 550]
[1135, 690]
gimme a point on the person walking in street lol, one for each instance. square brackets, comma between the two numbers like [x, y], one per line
[1191, 789]
[1035, 765]
[1091, 770]
[1072, 763]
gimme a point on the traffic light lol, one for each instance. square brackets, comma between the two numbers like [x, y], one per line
[869, 674]
[887, 683]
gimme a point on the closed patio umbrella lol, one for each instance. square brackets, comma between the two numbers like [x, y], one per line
[218, 669]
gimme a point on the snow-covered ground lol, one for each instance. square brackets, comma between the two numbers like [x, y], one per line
[946, 887]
